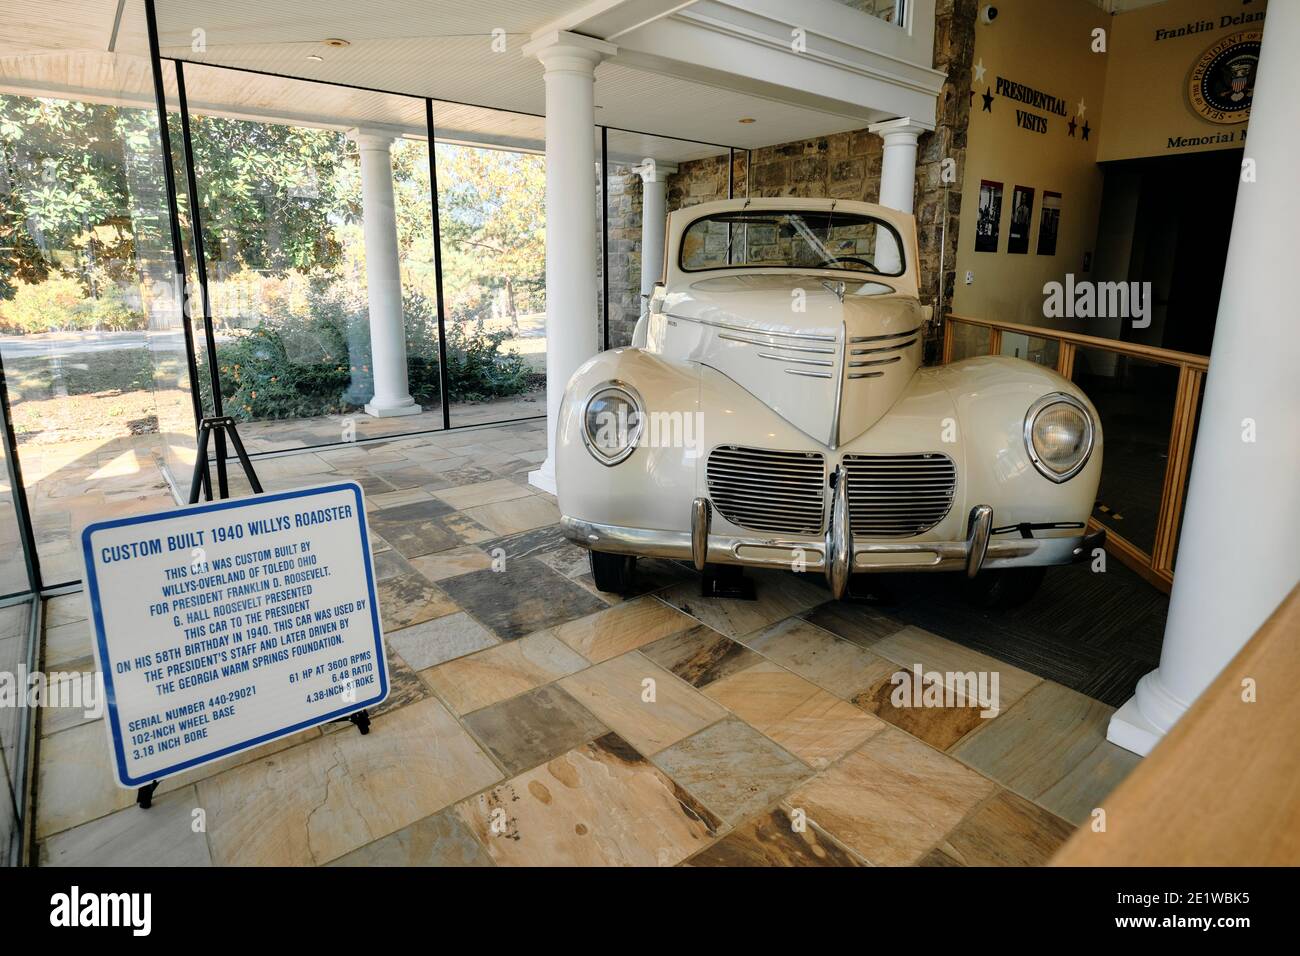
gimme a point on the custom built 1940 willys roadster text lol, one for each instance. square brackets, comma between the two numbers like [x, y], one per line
[772, 411]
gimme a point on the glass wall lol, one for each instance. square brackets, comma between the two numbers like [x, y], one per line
[1135, 399]
[492, 217]
[284, 203]
[636, 162]
[90, 313]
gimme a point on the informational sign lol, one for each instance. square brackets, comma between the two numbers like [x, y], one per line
[224, 625]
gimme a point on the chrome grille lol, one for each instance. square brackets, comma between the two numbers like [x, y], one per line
[898, 495]
[763, 490]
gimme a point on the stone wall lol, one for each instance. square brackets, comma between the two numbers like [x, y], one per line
[624, 253]
[847, 165]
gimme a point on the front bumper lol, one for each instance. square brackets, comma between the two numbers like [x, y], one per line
[831, 553]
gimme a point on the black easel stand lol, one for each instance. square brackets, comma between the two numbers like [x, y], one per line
[224, 426]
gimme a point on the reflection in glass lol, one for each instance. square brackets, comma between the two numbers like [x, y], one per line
[1031, 348]
[90, 314]
[1135, 399]
[491, 205]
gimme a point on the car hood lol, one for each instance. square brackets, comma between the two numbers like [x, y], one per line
[829, 355]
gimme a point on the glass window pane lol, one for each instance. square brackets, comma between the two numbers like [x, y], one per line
[1135, 400]
[968, 341]
[491, 204]
[90, 312]
[321, 337]
[1031, 348]
[638, 164]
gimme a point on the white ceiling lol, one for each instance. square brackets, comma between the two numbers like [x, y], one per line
[437, 48]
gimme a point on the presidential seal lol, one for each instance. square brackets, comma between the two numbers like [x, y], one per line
[1222, 82]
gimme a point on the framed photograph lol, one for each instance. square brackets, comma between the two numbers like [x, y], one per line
[1049, 223]
[1022, 219]
[990, 216]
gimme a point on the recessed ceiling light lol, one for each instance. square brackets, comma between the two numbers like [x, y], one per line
[335, 41]
[747, 119]
[315, 57]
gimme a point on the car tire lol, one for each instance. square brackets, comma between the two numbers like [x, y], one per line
[613, 573]
[1008, 588]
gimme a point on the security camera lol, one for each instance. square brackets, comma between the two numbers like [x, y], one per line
[988, 13]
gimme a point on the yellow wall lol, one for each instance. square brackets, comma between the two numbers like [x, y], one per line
[1147, 78]
[1043, 44]
[1136, 99]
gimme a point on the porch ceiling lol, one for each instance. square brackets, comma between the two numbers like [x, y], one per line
[444, 50]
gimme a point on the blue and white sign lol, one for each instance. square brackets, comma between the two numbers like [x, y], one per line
[221, 626]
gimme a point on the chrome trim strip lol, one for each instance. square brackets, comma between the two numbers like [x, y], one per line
[724, 548]
[881, 338]
[795, 371]
[866, 374]
[701, 515]
[977, 540]
[839, 539]
[753, 331]
[888, 361]
[824, 363]
[776, 345]
[883, 348]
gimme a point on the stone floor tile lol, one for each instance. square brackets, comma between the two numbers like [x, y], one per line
[161, 837]
[700, 655]
[616, 692]
[912, 645]
[813, 724]
[409, 599]
[1006, 830]
[442, 839]
[891, 799]
[500, 672]
[617, 630]
[733, 769]
[313, 803]
[535, 726]
[452, 562]
[525, 597]
[515, 515]
[772, 840]
[1051, 748]
[778, 595]
[441, 639]
[601, 804]
[841, 667]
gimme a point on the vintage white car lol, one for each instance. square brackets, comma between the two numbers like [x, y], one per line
[772, 412]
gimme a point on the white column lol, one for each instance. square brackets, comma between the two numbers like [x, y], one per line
[897, 179]
[383, 276]
[571, 280]
[1238, 557]
[654, 215]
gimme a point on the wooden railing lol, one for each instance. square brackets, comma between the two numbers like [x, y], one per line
[1156, 566]
[1223, 786]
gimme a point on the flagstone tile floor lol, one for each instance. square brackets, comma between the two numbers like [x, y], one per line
[535, 721]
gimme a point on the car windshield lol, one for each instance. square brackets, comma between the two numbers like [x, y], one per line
[787, 238]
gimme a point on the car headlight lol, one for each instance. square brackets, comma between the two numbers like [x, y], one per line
[611, 422]
[1058, 435]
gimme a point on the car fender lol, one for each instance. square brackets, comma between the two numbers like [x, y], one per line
[653, 487]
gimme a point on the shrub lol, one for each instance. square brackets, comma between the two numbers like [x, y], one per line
[301, 366]
[56, 304]
[60, 304]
